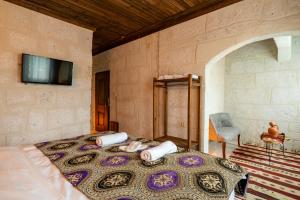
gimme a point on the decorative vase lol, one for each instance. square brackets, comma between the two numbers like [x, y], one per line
[273, 131]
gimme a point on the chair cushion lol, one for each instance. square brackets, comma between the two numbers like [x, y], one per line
[226, 123]
[220, 120]
[228, 133]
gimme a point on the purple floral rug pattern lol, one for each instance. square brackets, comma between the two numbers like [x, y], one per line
[163, 180]
[191, 161]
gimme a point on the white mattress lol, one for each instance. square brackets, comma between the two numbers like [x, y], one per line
[27, 174]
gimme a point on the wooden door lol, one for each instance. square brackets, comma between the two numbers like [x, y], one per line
[102, 101]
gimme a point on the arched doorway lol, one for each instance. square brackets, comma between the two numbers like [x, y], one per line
[211, 106]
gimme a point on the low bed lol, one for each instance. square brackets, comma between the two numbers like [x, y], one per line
[78, 169]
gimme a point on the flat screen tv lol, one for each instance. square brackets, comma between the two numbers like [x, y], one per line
[38, 69]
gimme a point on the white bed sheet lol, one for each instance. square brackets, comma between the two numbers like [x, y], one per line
[27, 174]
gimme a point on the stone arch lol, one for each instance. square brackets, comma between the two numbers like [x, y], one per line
[241, 41]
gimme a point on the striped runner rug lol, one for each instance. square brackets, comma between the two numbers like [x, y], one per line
[278, 181]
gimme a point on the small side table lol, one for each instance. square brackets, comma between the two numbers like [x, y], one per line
[270, 141]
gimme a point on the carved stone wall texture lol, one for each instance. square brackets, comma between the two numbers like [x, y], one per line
[185, 48]
[30, 113]
[260, 89]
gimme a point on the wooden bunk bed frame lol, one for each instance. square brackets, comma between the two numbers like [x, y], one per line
[191, 83]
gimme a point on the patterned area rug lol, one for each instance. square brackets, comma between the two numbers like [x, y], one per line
[279, 180]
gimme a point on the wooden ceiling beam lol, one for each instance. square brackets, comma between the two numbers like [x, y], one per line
[114, 6]
[103, 14]
[81, 14]
[195, 11]
[45, 10]
[181, 4]
[167, 7]
[116, 22]
[148, 9]
[128, 8]
[192, 3]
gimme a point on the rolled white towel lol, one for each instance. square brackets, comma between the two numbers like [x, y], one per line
[158, 151]
[107, 140]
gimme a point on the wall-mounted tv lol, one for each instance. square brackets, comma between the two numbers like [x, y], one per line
[38, 69]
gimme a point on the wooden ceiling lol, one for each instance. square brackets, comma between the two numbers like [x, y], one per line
[116, 22]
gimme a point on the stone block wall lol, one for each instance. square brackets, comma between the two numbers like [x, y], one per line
[186, 48]
[32, 113]
[259, 89]
[132, 69]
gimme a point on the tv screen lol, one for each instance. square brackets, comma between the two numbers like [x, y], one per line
[38, 69]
